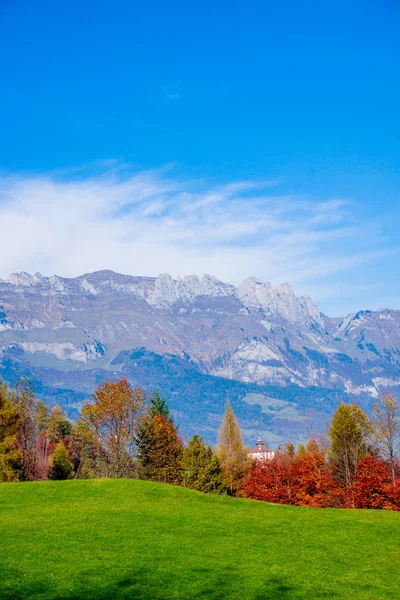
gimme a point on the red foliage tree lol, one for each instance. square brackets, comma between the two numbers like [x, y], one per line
[269, 481]
[302, 480]
[373, 486]
[314, 484]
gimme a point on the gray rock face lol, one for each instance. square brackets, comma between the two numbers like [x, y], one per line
[253, 334]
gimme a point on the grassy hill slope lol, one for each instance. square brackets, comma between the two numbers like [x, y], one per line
[108, 539]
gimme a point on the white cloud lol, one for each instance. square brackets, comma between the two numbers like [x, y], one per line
[150, 222]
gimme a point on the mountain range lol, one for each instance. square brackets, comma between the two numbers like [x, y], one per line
[282, 363]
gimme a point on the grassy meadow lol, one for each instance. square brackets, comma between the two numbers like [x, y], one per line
[106, 539]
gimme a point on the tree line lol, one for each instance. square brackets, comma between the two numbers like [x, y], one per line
[357, 466]
[124, 433]
[121, 433]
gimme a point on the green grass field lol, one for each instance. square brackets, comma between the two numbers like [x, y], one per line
[129, 539]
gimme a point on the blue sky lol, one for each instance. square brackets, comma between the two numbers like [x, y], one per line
[293, 106]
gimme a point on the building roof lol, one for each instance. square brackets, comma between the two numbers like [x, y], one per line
[260, 447]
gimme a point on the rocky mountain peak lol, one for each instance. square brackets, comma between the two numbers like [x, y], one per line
[280, 300]
[24, 279]
[167, 290]
[164, 291]
[55, 328]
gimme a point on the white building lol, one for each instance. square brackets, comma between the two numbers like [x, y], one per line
[261, 452]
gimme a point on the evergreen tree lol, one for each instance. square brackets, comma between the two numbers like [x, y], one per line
[214, 481]
[62, 467]
[233, 456]
[159, 407]
[160, 451]
[58, 426]
[159, 446]
[349, 435]
[200, 468]
[10, 455]
[301, 450]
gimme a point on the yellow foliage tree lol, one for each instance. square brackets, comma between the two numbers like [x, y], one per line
[111, 423]
[231, 452]
[386, 425]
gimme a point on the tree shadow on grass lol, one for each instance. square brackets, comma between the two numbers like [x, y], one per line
[142, 584]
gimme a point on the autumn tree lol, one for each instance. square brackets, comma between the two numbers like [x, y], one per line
[159, 446]
[386, 429]
[200, 468]
[42, 416]
[10, 455]
[28, 431]
[83, 452]
[303, 479]
[349, 435]
[373, 486]
[265, 481]
[111, 423]
[272, 480]
[61, 468]
[313, 481]
[231, 452]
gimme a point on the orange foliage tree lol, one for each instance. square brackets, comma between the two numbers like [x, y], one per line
[302, 479]
[374, 487]
[160, 450]
[111, 423]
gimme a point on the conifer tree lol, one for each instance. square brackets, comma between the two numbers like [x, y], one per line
[160, 451]
[200, 468]
[214, 481]
[58, 426]
[233, 456]
[159, 407]
[62, 467]
[159, 446]
[301, 449]
[10, 455]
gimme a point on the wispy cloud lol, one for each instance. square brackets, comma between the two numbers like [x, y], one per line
[149, 222]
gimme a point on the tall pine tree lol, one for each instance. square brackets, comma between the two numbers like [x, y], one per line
[159, 446]
[62, 467]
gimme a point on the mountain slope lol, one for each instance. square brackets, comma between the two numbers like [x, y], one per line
[70, 334]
